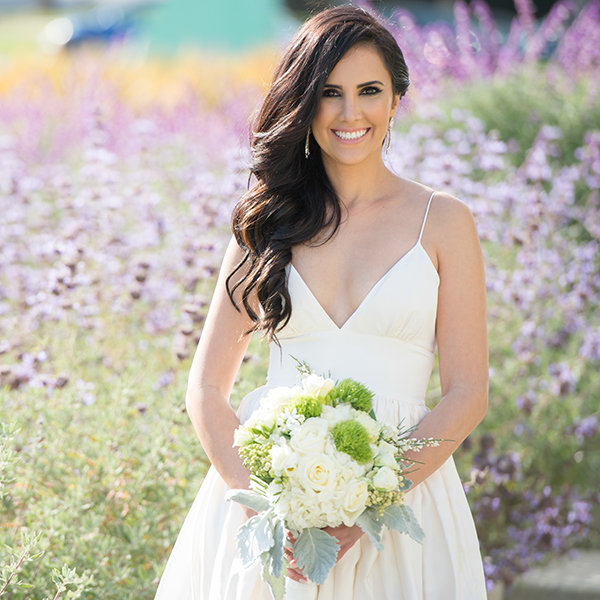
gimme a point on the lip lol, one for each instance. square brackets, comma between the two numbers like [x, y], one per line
[351, 141]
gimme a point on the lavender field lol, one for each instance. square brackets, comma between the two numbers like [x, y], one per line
[117, 179]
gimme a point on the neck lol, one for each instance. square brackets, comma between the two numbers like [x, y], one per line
[358, 185]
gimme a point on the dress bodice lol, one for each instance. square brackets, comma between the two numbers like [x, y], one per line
[387, 343]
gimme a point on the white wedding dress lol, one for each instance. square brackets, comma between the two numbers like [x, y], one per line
[388, 344]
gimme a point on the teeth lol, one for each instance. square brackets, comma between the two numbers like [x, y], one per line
[350, 135]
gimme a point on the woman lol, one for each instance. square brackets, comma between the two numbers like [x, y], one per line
[359, 273]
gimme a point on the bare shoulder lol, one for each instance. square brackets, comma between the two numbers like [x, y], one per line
[448, 213]
[451, 226]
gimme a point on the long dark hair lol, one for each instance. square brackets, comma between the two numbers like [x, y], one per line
[288, 203]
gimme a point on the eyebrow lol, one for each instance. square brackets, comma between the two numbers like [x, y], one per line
[360, 85]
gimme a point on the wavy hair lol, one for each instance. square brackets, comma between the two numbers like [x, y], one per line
[288, 204]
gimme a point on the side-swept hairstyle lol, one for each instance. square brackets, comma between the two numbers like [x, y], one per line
[287, 205]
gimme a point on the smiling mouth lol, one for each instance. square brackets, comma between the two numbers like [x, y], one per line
[350, 135]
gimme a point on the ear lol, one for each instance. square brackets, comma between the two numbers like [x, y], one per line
[395, 103]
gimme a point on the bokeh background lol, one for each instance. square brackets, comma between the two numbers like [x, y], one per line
[123, 148]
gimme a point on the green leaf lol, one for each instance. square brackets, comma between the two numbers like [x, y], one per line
[402, 518]
[301, 366]
[315, 552]
[276, 583]
[248, 498]
[255, 536]
[370, 522]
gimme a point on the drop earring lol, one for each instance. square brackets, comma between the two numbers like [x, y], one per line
[389, 135]
[307, 144]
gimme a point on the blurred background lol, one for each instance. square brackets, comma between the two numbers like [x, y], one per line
[169, 25]
[123, 148]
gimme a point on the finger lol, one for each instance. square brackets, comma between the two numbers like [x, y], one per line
[293, 574]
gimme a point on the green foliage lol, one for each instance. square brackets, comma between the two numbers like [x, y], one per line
[517, 104]
[8, 457]
[14, 559]
[352, 392]
[352, 438]
[107, 483]
[67, 580]
[308, 406]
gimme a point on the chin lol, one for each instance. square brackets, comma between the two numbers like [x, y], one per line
[351, 158]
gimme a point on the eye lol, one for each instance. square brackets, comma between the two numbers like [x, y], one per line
[330, 93]
[370, 90]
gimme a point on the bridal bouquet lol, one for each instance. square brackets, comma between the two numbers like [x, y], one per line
[318, 457]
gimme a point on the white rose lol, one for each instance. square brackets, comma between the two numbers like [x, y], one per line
[385, 479]
[354, 501]
[315, 385]
[241, 436]
[385, 455]
[310, 437]
[317, 472]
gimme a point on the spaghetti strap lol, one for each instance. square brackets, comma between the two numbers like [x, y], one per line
[425, 217]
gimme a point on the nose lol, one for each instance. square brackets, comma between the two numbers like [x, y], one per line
[350, 108]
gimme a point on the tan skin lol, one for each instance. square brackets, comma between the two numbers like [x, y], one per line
[381, 217]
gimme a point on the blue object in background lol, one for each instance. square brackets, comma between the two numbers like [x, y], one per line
[103, 24]
[232, 25]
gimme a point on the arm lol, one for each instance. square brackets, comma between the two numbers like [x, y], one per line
[461, 335]
[216, 362]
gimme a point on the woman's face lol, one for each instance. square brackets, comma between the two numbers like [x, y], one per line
[355, 109]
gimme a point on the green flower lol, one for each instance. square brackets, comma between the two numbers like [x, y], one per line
[308, 406]
[380, 499]
[352, 438]
[352, 392]
[257, 460]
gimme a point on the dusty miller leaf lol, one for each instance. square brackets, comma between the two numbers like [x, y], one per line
[276, 554]
[315, 552]
[248, 498]
[276, 583]
[370, 522]
[255, 536]
[402, 519]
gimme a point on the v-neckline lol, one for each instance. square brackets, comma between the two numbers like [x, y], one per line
[369, 293]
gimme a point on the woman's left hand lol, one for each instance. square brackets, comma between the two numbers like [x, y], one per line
[346, 537]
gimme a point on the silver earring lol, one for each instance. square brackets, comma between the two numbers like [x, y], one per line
[389, 135]
[306, 144]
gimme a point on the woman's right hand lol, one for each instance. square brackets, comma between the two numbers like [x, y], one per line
[249, 512]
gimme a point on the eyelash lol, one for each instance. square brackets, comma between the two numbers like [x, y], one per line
[367, 91]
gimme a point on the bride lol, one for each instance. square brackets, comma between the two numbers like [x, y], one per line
[360, 273]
